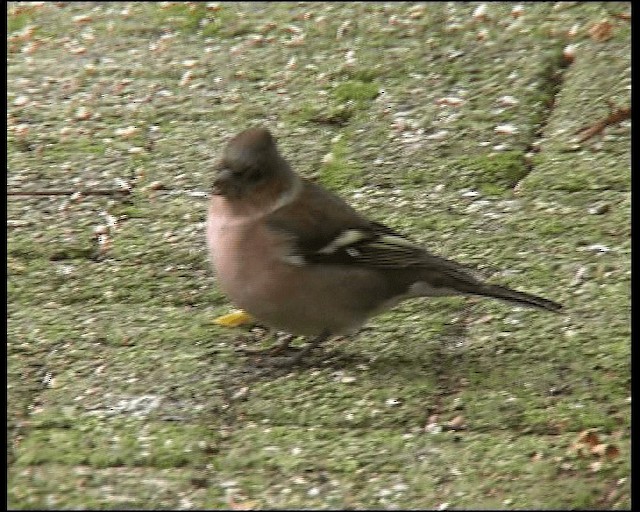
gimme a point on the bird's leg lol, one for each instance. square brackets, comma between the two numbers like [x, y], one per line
[292, 361]
[273, 350]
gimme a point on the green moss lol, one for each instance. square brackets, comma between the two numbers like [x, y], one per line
[198, 18]
[550, 227]
[72, 252]
[340, 172]
[181, 15]
[77, 145]
[492, 174]
[338, 115]
[544, 96]
[17, 22]
[416, 176]
[128, 211]
[363, 75]
[139, 321]
[357, 91]
[121, 442]
[572, 179]
[347, 98]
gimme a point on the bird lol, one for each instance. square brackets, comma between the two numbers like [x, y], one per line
[300, 259]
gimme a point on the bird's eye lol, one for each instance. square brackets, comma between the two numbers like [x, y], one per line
[231, 172]
[252, 174]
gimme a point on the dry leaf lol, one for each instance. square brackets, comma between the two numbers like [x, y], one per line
[601, 31]
[609, 451]
[480, 14]
[126, 132]
[83, 18]
[155, 185]
[573, 31]
[506, 129]
[242, 505]
[588, 437]
[82, 114]
[482, 320]
[595, 466]
[569, 53]
[457, 423]
[450, 101]
[187, 76]
[580, 449]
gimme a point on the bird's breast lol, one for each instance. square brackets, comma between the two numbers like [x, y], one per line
[246, 255]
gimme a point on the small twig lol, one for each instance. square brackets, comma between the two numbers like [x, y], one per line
[626, 16]
[616, 115]
[86, 192]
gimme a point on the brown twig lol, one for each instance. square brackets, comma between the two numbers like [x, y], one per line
[616, 115]
[626, 16]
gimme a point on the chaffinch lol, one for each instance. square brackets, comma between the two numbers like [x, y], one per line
[298, 258]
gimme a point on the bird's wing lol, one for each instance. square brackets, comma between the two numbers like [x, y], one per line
[325, 230]
[376, 245]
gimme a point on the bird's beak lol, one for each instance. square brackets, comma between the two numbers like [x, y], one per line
[222, 184]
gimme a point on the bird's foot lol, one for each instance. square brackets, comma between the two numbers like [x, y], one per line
[286, 362]
[274, 350]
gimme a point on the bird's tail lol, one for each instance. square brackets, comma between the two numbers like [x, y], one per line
[447, 277]
[522, 298]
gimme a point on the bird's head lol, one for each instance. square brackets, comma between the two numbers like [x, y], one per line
[250, 160]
